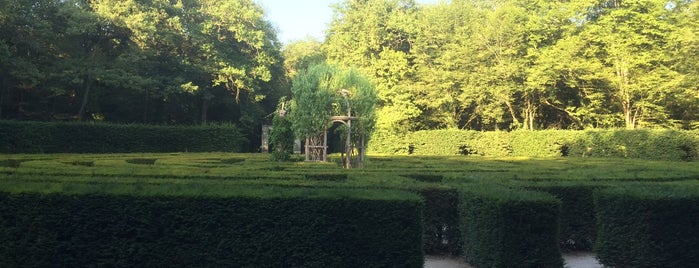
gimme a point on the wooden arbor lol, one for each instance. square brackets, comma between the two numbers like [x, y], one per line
[353, 154]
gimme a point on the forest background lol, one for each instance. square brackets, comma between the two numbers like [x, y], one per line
[477, 65]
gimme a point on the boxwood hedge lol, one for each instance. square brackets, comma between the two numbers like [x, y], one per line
[509, 228]
[662, 144]
[646, 226]
[303, 228]
[577, 229]
[61, 137]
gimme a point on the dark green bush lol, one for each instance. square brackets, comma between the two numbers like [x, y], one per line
[646, 226]
[95, 230]
[509, 228]
[59, 137]
[281, 139]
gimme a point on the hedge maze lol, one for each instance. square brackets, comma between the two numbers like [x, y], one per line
[243, 210]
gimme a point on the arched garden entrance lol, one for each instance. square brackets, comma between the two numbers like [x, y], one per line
[327, 97]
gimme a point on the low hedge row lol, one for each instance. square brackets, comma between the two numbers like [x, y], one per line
[662, 144]
[648, 226]
[61, 137]
[93, 230]
[509, 228]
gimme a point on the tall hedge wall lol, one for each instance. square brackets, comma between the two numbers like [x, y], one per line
[640, 143]
[510, 228]
[96, 230]
[578, 228]
[442, 233]
[648, 226]
[60, 137]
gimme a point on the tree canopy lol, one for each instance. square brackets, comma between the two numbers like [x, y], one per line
[506, 64]
[160, 61]
[476, 64]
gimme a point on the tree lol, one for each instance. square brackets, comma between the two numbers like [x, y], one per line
[374, 37]
[281, 137]
[301, 54]
[628, 44]
[323, 91]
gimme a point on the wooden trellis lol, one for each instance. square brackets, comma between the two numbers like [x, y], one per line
[353, 154]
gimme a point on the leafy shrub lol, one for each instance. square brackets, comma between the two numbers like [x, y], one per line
[281, 138]
[647, 226]
[60, 137]
[509, 228]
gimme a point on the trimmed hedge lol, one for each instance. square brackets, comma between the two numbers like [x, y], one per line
[86, 230]
[60, 137]
[578, 228]
[661, 144]
[510, 228]
[648, 226]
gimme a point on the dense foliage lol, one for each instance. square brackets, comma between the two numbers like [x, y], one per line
[254, 228]
[504, 190]
[509, 228]
[678, 145]
[325, 90]
[60, 137]
[648, 226]
[502, 65]
[151, 62]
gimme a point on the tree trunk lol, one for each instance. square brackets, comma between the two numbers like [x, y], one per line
[512, 112]
[624, 95]
[529, 113]
[87, 83]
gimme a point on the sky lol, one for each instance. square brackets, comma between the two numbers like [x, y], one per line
[298, 19]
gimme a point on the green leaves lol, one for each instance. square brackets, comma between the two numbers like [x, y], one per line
[490, 65]
[317, 96]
